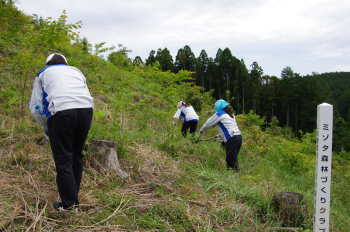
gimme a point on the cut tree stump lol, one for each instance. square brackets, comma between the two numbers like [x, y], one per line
[105, 157]
[293, 210]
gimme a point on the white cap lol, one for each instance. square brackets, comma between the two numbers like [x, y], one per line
[50, 57]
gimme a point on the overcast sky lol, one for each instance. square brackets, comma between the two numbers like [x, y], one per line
[307, 35]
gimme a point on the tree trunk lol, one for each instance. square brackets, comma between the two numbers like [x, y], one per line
[254, 105]
[238, 103]
[288, 115]
[233, 86]
[243, 100]
[226, 80]
[271, 109]
[196, 79]
[203, 84]
[210, 82]
[265, 118]
[296, 118]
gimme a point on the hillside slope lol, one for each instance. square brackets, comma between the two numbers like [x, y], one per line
[174, 184]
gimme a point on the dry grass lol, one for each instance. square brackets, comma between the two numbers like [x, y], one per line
[28, 188]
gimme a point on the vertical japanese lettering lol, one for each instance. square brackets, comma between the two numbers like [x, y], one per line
[325, 137]
[324, 169]
[325, 148]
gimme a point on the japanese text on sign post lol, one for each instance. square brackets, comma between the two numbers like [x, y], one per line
[323, 167]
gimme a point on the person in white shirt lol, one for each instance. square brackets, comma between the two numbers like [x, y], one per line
[189, 117]
[227, 126]
[62, 105]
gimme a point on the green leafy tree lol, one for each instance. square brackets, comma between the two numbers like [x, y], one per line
[180, 60]
[165, 59]
[201, 68]
[343, 103]
[120, 58]
[11, 23]
[151, 58]
[226, 66]
[219, 82]
[255, 75]
[242, 86]
[286, 92]
[211, 71]
[137, 60]
[34, 37]
[83, 44]
[99, 49]
[184, 59]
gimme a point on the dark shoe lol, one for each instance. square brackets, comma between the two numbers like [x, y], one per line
[73, 208]
[235, 168]
[58, 206]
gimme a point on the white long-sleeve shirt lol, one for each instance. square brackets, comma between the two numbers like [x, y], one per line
[226, 125]
[57, 88]
[187, 114]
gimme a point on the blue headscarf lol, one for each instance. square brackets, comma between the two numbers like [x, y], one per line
[220, 104]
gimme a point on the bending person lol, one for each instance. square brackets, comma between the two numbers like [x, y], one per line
[227, 126]
[66, 109]
[189, 117]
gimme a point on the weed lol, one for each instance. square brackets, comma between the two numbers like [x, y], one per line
[165, 218]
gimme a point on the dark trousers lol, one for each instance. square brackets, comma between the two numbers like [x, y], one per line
[233, 145]
[192, 125]
[68, 130]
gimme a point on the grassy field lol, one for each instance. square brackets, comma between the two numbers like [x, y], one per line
[173, 184]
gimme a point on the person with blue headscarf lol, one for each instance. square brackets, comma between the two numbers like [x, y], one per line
[227, 126]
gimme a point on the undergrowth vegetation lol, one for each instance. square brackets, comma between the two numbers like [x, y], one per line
[174, 183]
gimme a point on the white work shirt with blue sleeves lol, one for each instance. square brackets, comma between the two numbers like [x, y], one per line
[187, 114]
[56, 88]
[226, 125]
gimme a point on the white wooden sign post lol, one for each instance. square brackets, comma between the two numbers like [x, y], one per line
[323, 167]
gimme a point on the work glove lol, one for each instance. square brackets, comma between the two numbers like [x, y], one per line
[223, 144]
[200, 134]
